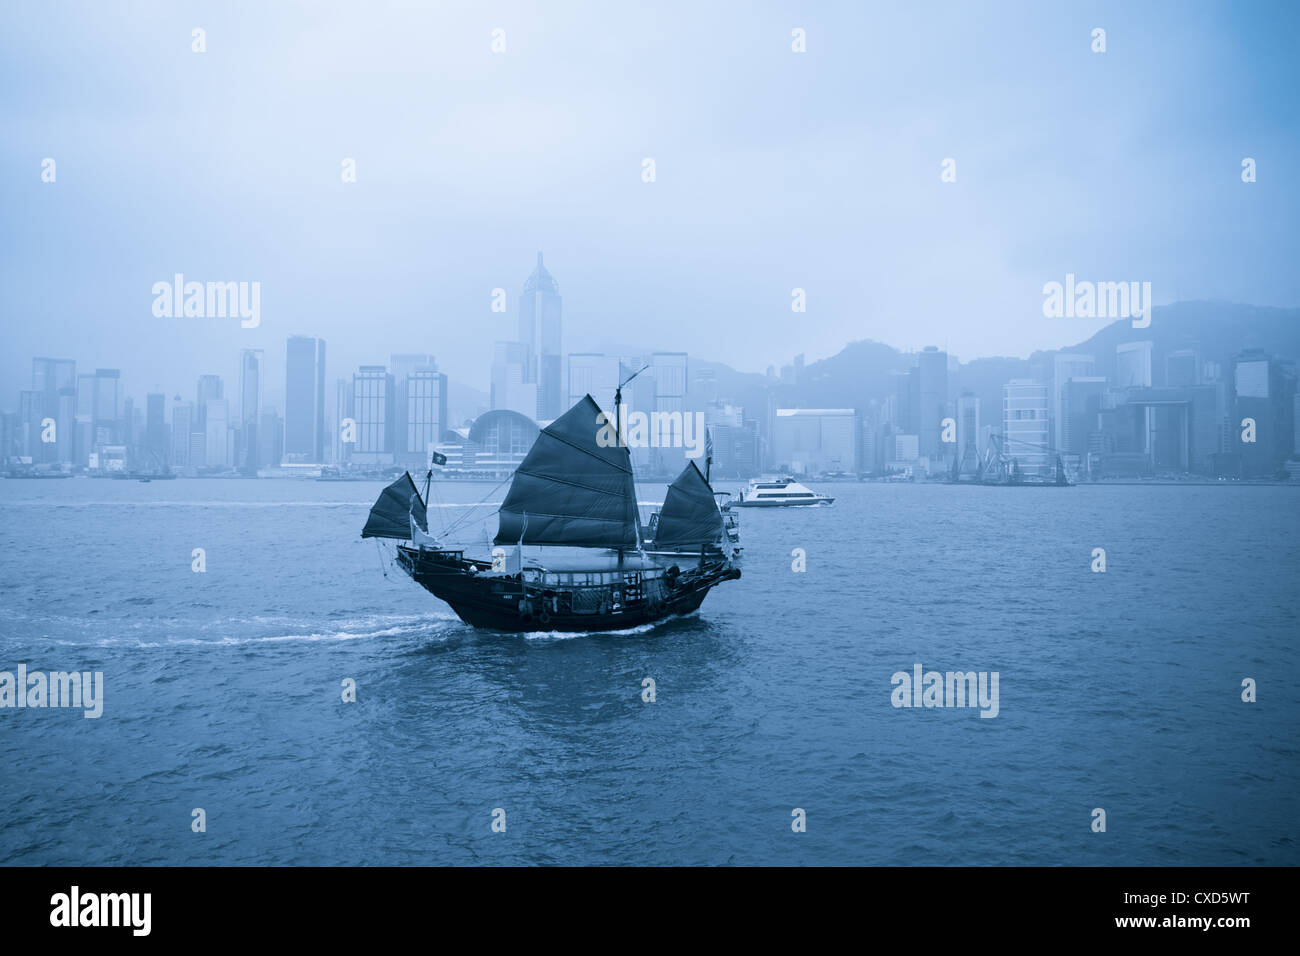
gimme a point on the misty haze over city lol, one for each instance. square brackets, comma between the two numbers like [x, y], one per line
[773, 172]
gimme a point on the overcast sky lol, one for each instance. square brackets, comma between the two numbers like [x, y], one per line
[774, 170]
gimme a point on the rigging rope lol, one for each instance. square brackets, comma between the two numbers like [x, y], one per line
[464, 518]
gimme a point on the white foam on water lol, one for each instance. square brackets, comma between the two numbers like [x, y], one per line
[570, 635]
[348, 631]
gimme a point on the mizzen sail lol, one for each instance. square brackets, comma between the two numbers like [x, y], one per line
[690, 517]
[392, 512]
[569, 490]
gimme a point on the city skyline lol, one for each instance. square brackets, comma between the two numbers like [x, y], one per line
[1153, 408]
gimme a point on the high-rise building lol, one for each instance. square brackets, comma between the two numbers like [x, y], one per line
[85, 418]
[108, 405]
[343, 442]
[208, 388]
[1133, 370]
[810, 441]
[270, 438]
[156, 444]
[1295, 418]
[423, 397]
[402, 366]
[968, 426]
[1133, 365]
[1025, 434]
[182, 426]
[541, 333]
[1066, 366]
[1264, 390]
[670, 374]
[29, 417]
[898, 402]
[217, 451]
[55, 380]
[251, 383]
[198, 447]
[66, 447]
[1080, 411]
[372, 404]
[304, 399]
[932, 395]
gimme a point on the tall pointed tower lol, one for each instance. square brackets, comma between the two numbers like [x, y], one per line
[540, 332]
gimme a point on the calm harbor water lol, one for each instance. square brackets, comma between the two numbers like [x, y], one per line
[1119, 690]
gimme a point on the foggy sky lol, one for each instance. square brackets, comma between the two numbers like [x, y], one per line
[775, 170]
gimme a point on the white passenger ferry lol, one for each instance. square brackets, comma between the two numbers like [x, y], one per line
[779, 493]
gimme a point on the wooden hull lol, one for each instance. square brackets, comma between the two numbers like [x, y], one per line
[503, 602]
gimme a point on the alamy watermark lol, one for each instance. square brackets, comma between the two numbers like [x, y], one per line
[1098, 300]
[951, 689]
[655, 430]
[208, 300]
[38, 689]
[75, 908]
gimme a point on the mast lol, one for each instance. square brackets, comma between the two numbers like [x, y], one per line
[708, 455]
[618, 441]
[618, 404]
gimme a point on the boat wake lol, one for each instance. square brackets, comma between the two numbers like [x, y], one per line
[219, 633]
[570, 635]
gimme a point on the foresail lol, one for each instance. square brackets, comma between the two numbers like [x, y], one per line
[571, 490]
[690, 516]
[392, 512]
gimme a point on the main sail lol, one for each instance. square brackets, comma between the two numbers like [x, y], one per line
[569, 490]
[690, 517]
[391, 515]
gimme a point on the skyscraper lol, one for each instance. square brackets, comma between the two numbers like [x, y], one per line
[85, 418]
[216, 428]
[251, 363]
[810, 441]
[372, 403]
[424, 415]
[968, 426]
[1264, 391]
[108, 404]
[1066, 366]
[342, 450]
[403, 366]
[1024, 424]
[156, 444]
[669, 370]
[540, 332]
[932, 382]
[182, 425]
[208, 388]
[55, 380]
[1133, 364]
[304, 399]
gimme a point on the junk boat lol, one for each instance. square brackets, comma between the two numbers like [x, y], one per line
[594, 567]
[779, 493]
